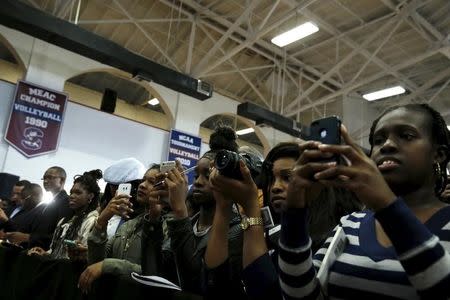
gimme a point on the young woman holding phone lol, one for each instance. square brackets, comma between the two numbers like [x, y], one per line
[399, 249]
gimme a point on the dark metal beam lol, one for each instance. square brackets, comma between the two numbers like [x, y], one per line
[27, 19]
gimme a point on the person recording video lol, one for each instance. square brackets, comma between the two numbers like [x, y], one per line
[72, 232]
[122, 254]
[396, 248]
[189, 236]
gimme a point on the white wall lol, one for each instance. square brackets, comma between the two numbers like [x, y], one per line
[358, 116]
[90, 139]
[275, 136]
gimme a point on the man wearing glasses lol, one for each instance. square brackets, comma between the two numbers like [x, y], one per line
[54, 179]
[19, 226]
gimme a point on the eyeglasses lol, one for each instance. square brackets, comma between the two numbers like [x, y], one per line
[50, 177]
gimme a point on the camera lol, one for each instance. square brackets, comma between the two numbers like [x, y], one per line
[227, 163]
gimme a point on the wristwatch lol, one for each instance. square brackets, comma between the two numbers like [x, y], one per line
[246, 222]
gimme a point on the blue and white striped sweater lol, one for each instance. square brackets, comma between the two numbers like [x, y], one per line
[417, 266]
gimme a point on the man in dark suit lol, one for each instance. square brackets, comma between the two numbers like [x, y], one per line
[19, 226]
[16, 198]
[54, 179]
[16, 207]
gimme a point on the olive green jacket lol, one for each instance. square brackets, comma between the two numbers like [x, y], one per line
[121, 254]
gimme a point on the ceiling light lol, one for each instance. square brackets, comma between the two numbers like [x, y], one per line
[448, 127]
[153, 101]
[392, 91]
[295, 34]
[245, 131]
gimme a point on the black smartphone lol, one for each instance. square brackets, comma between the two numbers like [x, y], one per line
[327, 131]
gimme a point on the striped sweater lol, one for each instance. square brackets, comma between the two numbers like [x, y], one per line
[417, 266]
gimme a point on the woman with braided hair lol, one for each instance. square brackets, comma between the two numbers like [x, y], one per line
[260, 246]
[399, 249]
[190, 235]
[83, 200]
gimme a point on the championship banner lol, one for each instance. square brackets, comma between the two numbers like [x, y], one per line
[185, 148]
[35, 121]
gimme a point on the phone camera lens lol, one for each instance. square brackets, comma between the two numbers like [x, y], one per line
[323, 133]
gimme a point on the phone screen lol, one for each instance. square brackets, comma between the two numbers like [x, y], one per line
[124, 188]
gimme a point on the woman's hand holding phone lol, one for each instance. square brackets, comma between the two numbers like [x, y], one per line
[361, 177]
[76, 251]
[244, 192]
[174, 188]
[303, 188]
[119, 205]
[177, 187]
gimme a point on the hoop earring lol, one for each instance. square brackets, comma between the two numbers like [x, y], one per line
[440, 178]
[437, 169]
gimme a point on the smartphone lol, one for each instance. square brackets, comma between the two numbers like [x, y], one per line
[267, 217]
[166, 166]
[70, 243]
[326, 131]
[124, 188]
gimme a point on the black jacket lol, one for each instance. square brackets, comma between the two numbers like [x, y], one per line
[23, 221]
[42, 232]
[189, 252]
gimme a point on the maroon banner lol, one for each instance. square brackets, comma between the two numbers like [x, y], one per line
[36, 117]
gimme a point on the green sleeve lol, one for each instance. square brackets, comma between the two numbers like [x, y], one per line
[119, 267]
[98, 246]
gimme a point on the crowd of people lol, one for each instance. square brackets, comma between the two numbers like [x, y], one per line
[375, 227]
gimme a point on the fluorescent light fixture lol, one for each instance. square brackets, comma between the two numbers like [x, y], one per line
[245, 131]
[295, 34]
[153, 101]
[389, 92]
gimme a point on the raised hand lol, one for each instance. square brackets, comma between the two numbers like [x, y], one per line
[119, 205]
[244, 192]
[172, 191]
[177, 186]
[361, 176]
[303, 188]
[78, 253]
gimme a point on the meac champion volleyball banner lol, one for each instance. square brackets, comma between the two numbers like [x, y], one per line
[36, 118]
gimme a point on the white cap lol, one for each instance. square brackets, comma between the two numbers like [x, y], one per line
[124, 170]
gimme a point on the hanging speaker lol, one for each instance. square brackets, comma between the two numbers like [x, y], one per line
[109, 101]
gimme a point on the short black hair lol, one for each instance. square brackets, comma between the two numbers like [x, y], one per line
[439, 136]
[61, 171]
[23, 183]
